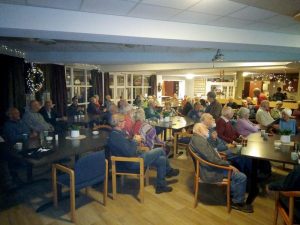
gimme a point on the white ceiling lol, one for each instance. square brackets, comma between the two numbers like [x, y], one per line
[263, 30]
[275, 15]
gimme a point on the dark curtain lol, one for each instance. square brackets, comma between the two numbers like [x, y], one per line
[55, 83]
[12, 84]
[153, 89]
[107, 90]
[96, 85]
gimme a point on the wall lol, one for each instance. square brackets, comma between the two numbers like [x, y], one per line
[189, 84]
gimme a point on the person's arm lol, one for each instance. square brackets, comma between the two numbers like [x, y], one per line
[121, 145]
[205, 151]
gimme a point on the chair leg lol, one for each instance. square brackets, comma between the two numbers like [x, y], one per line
[114, 185]
[276, 208]
[291, 211]
[175, 146]
[228, 198]
[54, 186]
[72, 199]
[196, 191]
[142, 188]
[105, 184]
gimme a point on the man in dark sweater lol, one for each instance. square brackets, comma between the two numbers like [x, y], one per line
[120, 145]
[225, 129]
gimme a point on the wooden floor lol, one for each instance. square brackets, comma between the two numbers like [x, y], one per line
[167, 208]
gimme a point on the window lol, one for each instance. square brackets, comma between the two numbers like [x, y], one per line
[78, 84]
[128, 86]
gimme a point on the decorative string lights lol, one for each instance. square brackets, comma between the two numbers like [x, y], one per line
[35, 79]
[274, 77]
[11, 51]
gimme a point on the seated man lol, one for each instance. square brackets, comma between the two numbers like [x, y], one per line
[15, 130]
[49, 113]
[120, 145]
[200, 146]
[34, 120]
[225, 130]
[74, 109]
[263, 116]
[93, 108]
[196, 112]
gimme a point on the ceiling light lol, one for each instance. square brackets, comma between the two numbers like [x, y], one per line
[189, 76]
[219, 57]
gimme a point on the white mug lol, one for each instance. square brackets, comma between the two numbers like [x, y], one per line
[294, 155]
[19, 146]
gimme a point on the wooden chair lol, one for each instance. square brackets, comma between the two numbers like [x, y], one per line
[197, 179]
[287, 212]
[88, 170]
[177, 142]
[141, 173]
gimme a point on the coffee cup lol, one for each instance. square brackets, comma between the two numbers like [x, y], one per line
[239, 147]
[19, 146]
[294, 155]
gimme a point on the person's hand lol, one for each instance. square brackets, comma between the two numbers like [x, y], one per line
[138, 138]
[230, 145]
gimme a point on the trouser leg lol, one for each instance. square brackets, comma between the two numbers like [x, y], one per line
[238, 187]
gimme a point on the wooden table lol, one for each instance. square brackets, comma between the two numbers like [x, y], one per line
[61, 149]
[259, 149]
[175, 123]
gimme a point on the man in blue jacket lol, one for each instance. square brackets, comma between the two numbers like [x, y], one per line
[120, 145]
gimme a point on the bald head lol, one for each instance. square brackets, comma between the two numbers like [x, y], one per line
[13, 114]
[200, 129]
[208, 120]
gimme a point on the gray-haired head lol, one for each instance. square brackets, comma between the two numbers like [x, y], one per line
[243, 113]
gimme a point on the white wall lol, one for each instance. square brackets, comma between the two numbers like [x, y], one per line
[188, 84]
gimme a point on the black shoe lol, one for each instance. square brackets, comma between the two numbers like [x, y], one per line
[172, 173]
[161, 189]
[242, 207]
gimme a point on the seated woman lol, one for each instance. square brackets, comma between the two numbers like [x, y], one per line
[286, 123]
[119, 145]
[168, 110]
[147, 132]
[276, 111]
[244, 126]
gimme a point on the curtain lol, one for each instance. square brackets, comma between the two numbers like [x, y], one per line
[12, 84]
[96, 85]
[153, 89]
[107, 90]
[55, 83]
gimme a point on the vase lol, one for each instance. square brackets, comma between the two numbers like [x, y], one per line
[285, 138]
[75, 133]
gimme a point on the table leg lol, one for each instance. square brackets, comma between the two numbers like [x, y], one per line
[253, 192]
